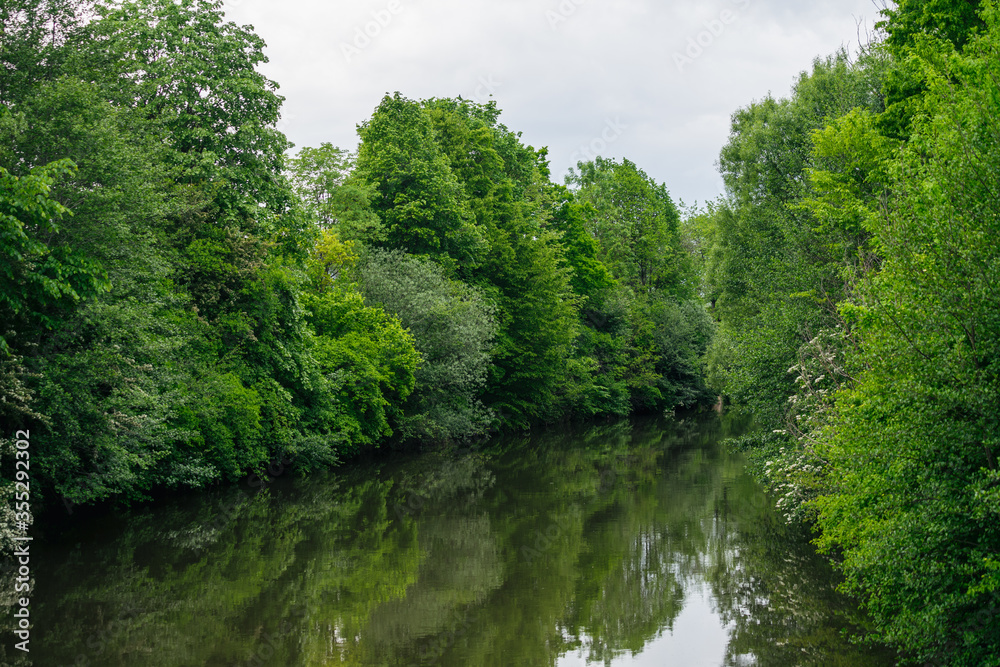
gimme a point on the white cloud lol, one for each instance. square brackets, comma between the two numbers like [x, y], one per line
[560, 69]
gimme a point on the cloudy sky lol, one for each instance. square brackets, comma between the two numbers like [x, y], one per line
[651, 81]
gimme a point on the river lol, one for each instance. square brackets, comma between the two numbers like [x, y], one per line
[633, 543]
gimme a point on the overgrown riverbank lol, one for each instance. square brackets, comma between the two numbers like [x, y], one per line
[183, 303]
[852, 268]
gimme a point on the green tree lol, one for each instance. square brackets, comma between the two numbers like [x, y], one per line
[775, 272]
[908, 25]
[367, 358]
[955, 21]
[322, 180]
[455, 185]
[38, 281]
[417, 197]
[196, 363]
[452, 328]
[634, 221]
[196, 75]
[645, 336]
[506, 185]
[590, 275]
[913, 448]
[33, 37]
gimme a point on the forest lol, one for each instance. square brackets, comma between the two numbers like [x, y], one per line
[186, 298]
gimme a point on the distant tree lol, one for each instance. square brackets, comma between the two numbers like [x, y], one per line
[417, 197]
[322, 179]
[590, 275]
[454, 185]
[507, 187]
[634, 221]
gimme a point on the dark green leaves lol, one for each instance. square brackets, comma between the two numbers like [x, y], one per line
[181, 64]
[36, 280]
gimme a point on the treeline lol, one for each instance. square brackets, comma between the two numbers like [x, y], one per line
[853, 269]
[182, 305]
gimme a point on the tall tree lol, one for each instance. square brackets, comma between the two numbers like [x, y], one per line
[455, 185]
[634, 221]
[418, 198]
[196, 74]
[776, 276]
[510, 195]
[33, 38]
[910, 26]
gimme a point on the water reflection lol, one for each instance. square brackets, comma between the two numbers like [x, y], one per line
[625, 544]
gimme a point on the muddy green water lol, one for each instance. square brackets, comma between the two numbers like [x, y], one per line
[641, 543]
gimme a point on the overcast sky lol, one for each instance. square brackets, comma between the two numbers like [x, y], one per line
[654, 82]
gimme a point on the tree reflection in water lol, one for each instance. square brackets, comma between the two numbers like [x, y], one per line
[587, 544]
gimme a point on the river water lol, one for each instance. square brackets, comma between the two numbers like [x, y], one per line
[635, 543]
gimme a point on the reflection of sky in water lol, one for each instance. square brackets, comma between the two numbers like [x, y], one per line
[698, 639]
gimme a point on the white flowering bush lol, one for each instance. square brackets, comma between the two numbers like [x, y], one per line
[794, 477]
[820, 373]
[786, 460]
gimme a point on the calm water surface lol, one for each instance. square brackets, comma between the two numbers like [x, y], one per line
[641, 543]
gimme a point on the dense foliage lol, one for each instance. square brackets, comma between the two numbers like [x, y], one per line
[852, 266]
[183, 303]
